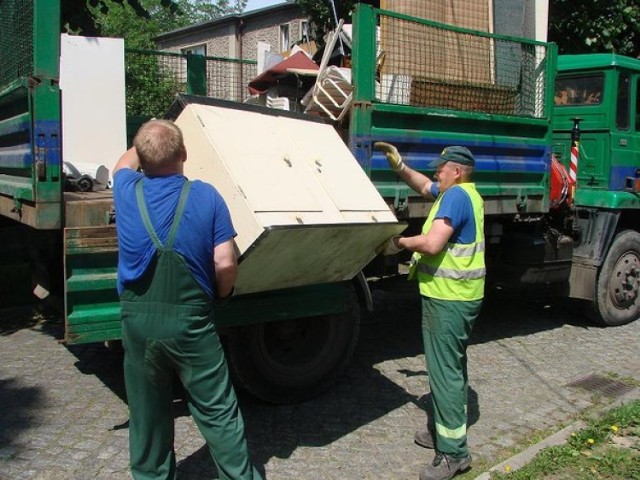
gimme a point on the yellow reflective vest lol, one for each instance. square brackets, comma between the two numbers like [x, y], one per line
[458, 271]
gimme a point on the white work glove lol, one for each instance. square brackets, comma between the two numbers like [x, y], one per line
[393, 157]
[390, 246]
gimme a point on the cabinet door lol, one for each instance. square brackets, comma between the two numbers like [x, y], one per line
[260, 158]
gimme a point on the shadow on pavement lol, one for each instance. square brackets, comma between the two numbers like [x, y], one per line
[19, 408]
[45, 316]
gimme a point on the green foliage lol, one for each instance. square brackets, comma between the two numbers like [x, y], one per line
[203, 10]
[151, 83]
[119, 19]
[151, 80]
[78, 16]
[590, 453]
[595, 26]
[322, 15]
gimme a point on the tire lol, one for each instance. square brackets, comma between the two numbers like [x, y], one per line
[295, 360]
[617, 290]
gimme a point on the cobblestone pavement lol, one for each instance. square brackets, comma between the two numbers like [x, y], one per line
[63, 413]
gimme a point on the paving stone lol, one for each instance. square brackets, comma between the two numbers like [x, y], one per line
[64, 409]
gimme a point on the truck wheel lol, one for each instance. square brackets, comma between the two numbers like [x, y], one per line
[616, 300]
[292, 361]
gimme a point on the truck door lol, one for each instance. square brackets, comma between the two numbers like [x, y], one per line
[625, 137]
[635, 113]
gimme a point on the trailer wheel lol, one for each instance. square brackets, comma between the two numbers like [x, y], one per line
[617, 292]
[294, 360]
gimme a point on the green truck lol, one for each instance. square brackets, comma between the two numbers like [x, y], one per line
[497, 95]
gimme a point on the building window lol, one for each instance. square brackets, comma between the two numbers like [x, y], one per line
[195, 50]
[284, 37]
[305, 31]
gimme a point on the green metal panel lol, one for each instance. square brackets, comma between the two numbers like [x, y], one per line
[363, 65]
[92, 308]
[46, 39]
[606, 199]
[596, 61]
[30, 112]
[196, 75]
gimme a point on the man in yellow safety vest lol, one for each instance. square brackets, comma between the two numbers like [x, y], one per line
[448, 262]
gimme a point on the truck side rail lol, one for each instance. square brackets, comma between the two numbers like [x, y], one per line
[30, 176]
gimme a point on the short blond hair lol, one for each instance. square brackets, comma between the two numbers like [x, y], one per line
[159, 144]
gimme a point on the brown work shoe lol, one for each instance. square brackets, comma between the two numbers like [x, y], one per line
[445, 467]
[424, 438]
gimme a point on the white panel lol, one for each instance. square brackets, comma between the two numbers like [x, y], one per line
[263, 49]
[94, 125]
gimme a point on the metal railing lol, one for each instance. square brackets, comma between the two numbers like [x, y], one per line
[153, 78]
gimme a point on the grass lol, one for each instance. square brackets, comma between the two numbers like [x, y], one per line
[608, 448]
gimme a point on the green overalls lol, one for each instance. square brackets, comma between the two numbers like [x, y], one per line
[167, 326]
[452, 288]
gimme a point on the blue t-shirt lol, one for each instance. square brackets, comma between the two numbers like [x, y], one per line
[205, 223]
[456, 206]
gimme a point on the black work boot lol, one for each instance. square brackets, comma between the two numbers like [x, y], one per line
[445, 467]
[424, 438]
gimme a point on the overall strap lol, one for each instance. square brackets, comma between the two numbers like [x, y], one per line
[145, 216]
[176, 219]
[178, 215]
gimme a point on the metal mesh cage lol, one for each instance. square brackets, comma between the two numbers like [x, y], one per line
[16, 40]
[228, 79]
[428, 64]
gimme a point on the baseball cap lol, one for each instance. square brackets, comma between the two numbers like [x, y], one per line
[456, 154]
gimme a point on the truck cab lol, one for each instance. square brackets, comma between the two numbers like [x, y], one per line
[601, 91]
[597, 112]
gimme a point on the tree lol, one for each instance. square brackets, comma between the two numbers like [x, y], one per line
[322, 14]
[79, 16]
[114, 18]
[87, 17]
[595, 26]
[152, 80]
[203, 10]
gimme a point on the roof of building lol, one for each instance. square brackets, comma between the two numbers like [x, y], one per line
[229, 18]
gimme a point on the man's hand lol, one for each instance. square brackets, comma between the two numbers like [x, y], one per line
[129, 159]
[390, 246]
[393, 157]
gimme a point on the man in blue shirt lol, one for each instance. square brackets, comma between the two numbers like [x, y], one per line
[176, 253]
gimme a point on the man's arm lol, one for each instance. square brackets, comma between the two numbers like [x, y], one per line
[414, 179]
[129, 159]
[225, 266]
[417, 181]
[432, 242]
